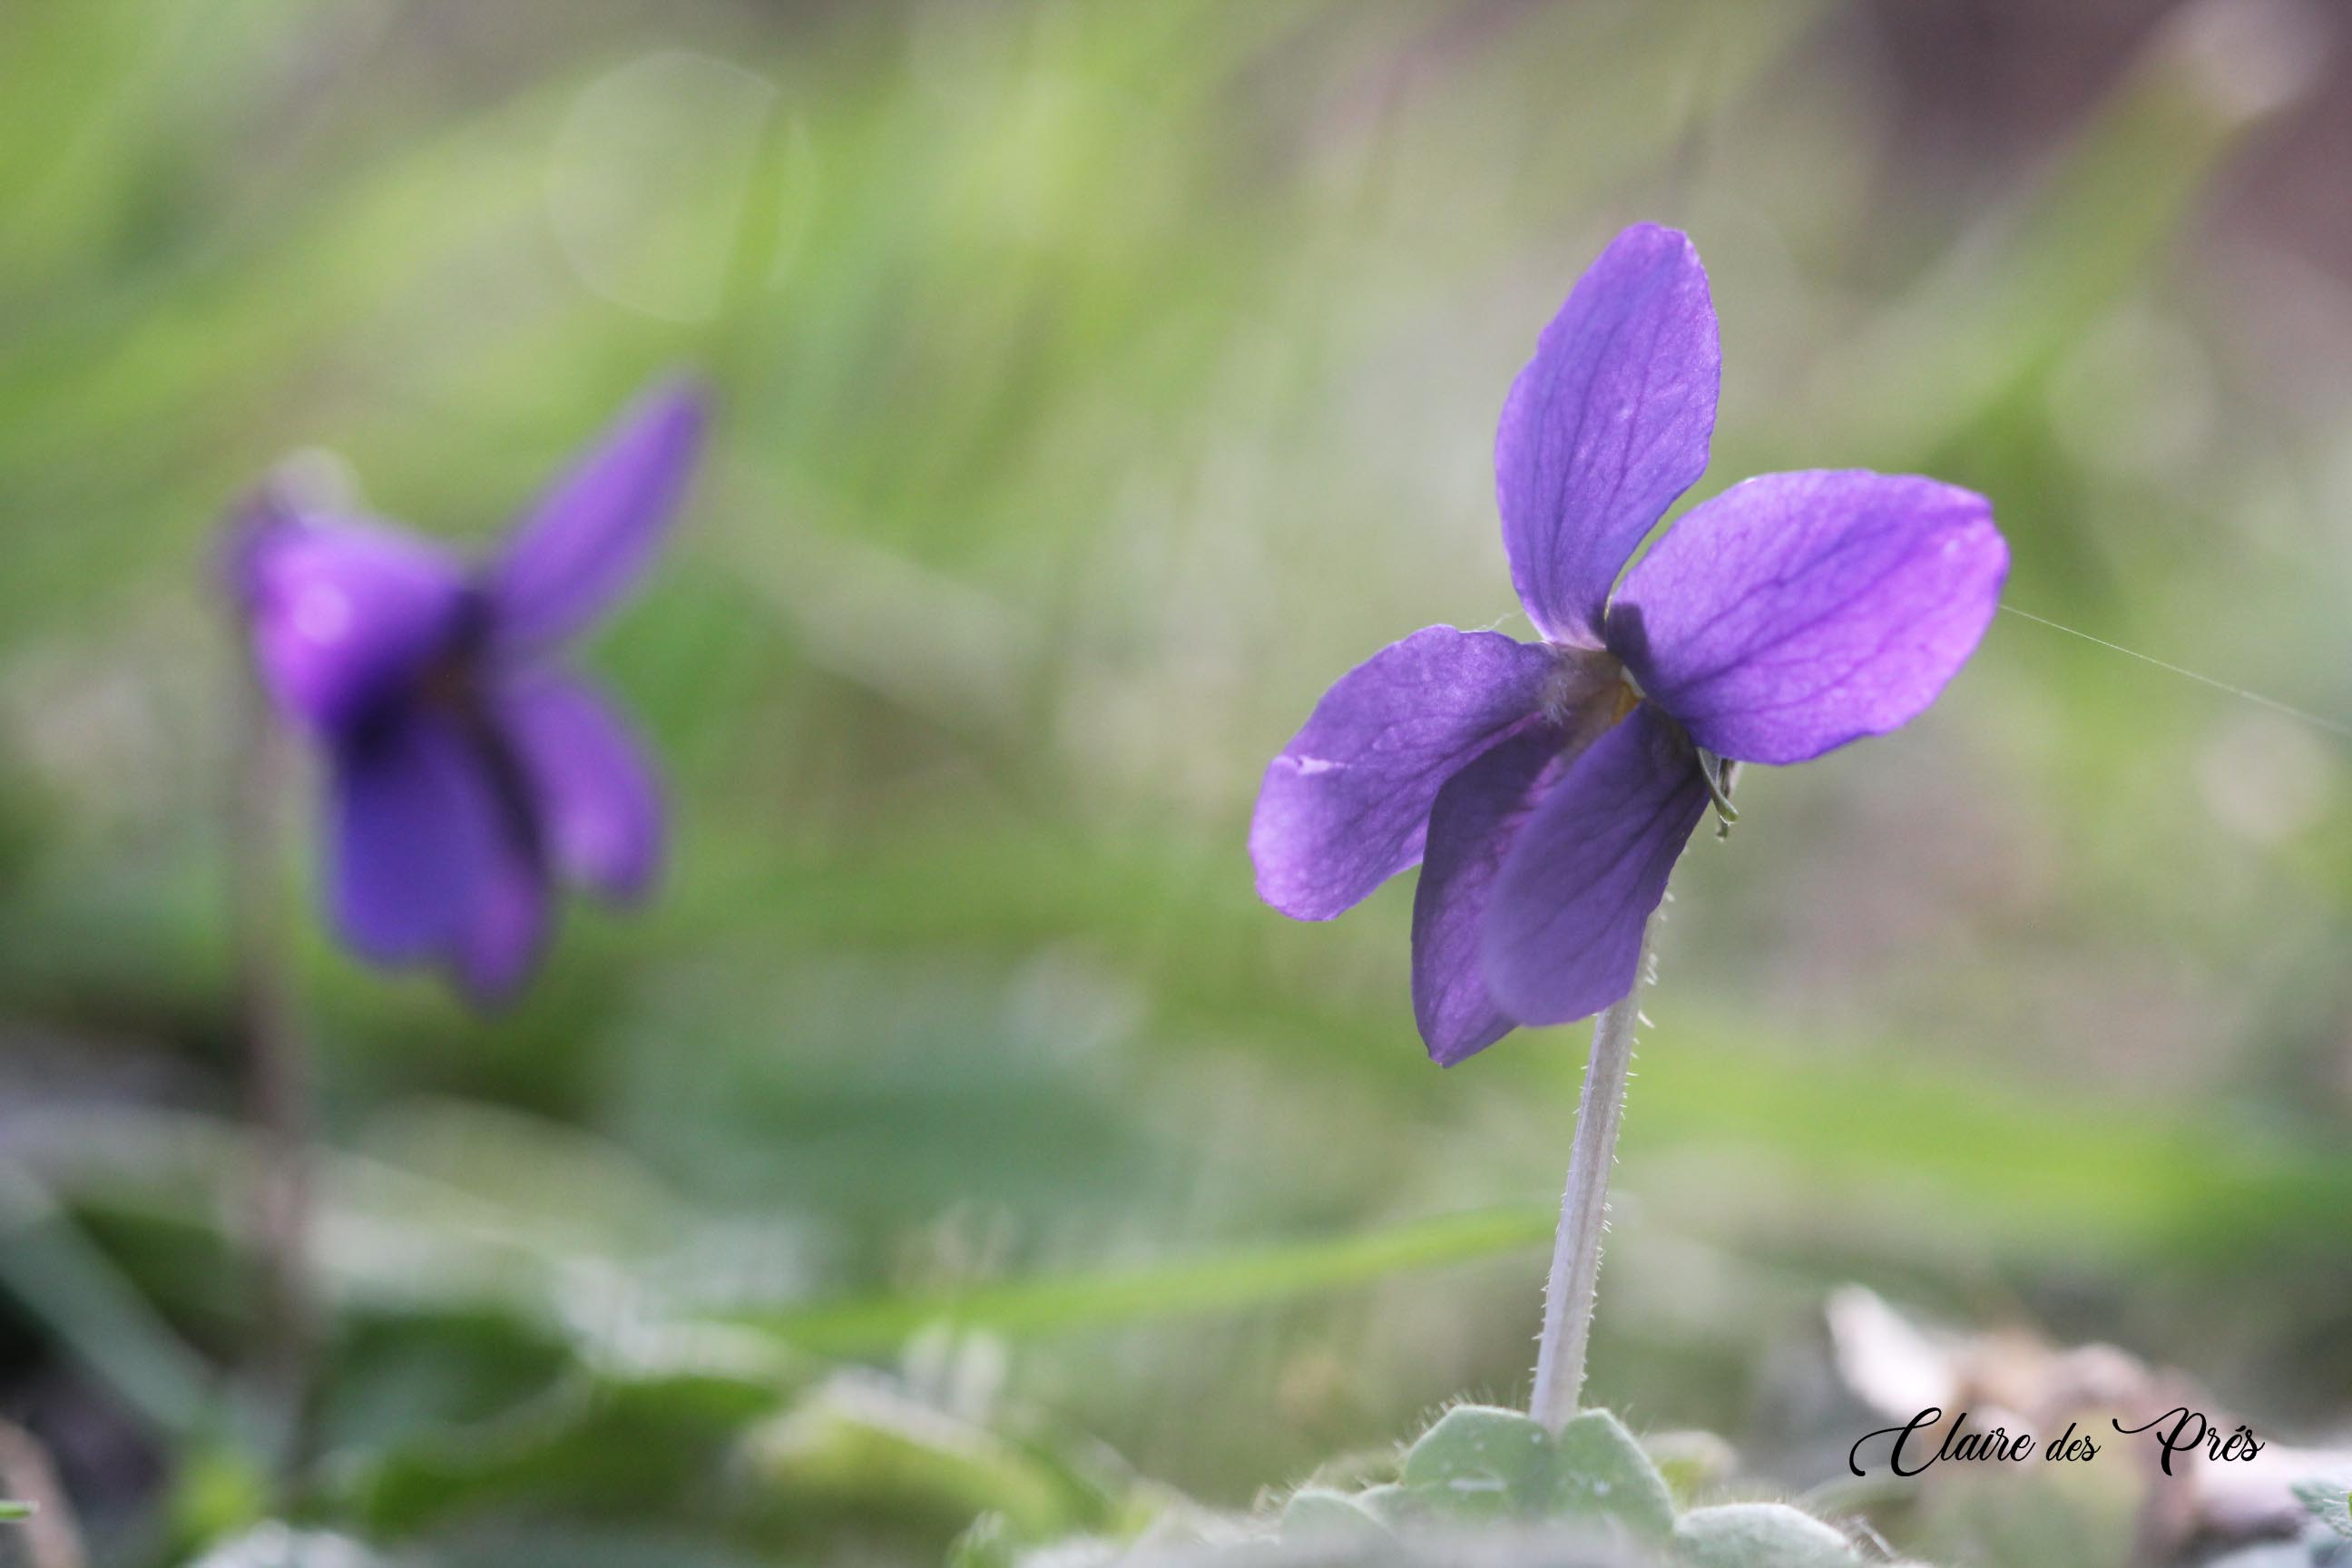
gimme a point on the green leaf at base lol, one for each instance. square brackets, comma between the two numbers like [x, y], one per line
[1479, 1463]
[1317, 1513]
[1760, 1535]
[2328, 1501]
[1602, 1470]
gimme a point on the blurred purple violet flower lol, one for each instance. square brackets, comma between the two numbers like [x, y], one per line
[469, 771]
[1547, 788]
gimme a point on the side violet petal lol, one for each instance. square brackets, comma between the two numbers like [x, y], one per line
[589, 537]
[413, 826]
[1606, 426]
[1796, 612]
[598, 802]
[1474, 823]
[1346, 804]
[343, 613]
[1563, 934]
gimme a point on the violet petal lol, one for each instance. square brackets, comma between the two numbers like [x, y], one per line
[599, 805]
[1796, 612]
[343, 613]
[1564, 925]
[1346, 804]
[1472, 827]
[506, 924]
[415, 823]
[589, 538]
[1606, 426]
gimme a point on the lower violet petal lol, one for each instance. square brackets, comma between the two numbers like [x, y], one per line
[598, 803]
[1471, 830]
[415, 827]
[1563, 935]
[1347, 803]
[506, 924]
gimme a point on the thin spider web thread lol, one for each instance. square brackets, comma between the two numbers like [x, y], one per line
[2318, 721]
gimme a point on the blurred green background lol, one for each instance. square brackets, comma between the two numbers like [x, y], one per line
[1097, 382]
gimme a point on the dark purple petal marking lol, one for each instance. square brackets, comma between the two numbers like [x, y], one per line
[415, 825]
[1474, 823]
[344, 615]
[1347, 803]
[1606, 426]
[598, 804]
[1564, 925]
[1796, 612]
[589, 538]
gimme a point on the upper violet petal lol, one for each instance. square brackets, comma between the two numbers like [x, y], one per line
[1563, 935]
[1347, 803]
[1796, 612]
[589, 537]
[1606, 426]
[1471, 830]
[343, 613]
[414, 824]
[598, 802]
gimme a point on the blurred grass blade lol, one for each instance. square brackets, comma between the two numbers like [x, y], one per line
[1218, 1282]
[76, 1293]
[2014, 296]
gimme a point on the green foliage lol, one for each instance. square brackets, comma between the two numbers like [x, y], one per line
[2329, 1502]
[1213, 1283]
[1495, 1483]
[1604, 1473]
[1695, 1464]
[221, 1490]
[1316, 1513]
[857, 1448]
[1482, 1485]
[1760, 1535]
[1478, 1463]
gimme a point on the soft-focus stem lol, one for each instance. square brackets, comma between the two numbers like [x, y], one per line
[277, 1074]
[50, 1537]
[1584, 1209]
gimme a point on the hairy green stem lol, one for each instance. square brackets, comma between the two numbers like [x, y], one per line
[1584, 1209]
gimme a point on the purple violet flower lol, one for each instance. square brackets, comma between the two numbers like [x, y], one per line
[1547, 788]
[467, 771]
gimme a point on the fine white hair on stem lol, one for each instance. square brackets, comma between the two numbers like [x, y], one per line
[1584, 1208]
